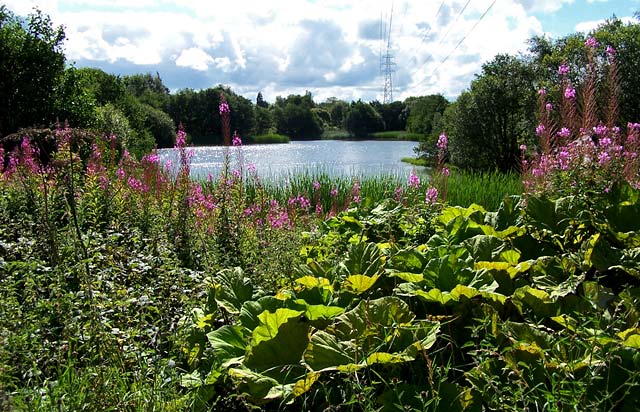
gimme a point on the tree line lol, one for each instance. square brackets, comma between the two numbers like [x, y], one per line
[486, 124]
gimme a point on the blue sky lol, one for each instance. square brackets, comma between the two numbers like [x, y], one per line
[329, 47]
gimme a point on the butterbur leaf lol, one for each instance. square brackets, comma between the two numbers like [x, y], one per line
[484, 247]
[327, 352]
[277, 343]
[228, 343]
[358, 284]
[232, 289]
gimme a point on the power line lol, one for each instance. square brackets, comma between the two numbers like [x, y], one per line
[454, 22]
[461, 40]
[435, 18]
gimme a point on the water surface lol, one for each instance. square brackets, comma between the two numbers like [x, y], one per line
[334, 157]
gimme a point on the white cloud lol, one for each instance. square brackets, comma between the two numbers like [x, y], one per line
[329, 47]
[195, 58]
[588, 26]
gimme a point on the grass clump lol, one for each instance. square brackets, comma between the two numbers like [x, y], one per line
[398, 135]
[270, 138]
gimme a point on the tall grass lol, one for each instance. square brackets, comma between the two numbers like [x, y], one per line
[483, 188]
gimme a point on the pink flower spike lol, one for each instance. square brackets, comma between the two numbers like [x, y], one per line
[570, 93]
[542, 92]
[563, 70]
[592, 43]
[523, 147]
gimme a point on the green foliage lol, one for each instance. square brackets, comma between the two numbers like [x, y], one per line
[398, 135]
[31, 70]
[488, 122]
[425, 113]
[270, 138]
[110, 120]
[362, 120]
[394, 114]
[295, 118]
[264, 120]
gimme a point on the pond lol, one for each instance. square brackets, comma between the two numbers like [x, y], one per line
[365, 158]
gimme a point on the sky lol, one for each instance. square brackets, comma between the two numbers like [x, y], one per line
[331, 48]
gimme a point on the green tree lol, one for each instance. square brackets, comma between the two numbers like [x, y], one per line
[338, 111]
[393, 114]
[295, 118]
[31, 69]
[260, 102]
[264, 120]
[362, 119]
[148, 89]
[494, 116]
[424, 113]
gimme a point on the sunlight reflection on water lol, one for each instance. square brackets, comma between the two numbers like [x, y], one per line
[332, 157]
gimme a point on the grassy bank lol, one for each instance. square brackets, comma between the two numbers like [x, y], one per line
[398, 135]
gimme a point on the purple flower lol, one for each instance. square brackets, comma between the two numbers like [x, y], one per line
[397, 194]
[540, 129]
[603, 158]
[445, 171]
[181, 139]
[443, 142]
[611, 51]
[563, 159]
[120, 173]
[600, 130]
[563, 70]
[542, 92]
[564, 132]
[592, 43]
[334, 192]
[414, 180]
[236, 140]
[549, 107]
[316, 185]
[224, 107]
[605, 141]
[251, 167]
[523, 147]
[431, 195]
[570, 93]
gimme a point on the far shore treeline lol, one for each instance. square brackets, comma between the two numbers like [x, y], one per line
[486, 124]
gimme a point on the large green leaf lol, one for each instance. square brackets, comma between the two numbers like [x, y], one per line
[278, 341]
[229, 344]
[484, 247]
[232, 289]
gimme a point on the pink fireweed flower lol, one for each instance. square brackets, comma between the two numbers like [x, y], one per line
[604, 158]
[570, 93]
[120, 173]
[236, 140]
[600, 130]
[397, 194]
[445, 171]
[611, 52]
[431, 195]
[316, 185]
[542, 92]
[251, 168]
[564, 132]
[537, 172]
[591, 42]
[563, 70]
[318, 209]
[443, 142]
[540, 129]
[236, 173]
[563, 159]
[334, 192]
[223, 107]
[151, 158]
[414, 180]
[181, 139]
[523, 147]
[549, 107]
[605, 142]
